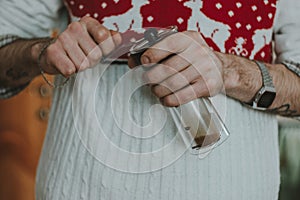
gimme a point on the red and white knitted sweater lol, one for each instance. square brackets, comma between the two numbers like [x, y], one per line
[239, 27]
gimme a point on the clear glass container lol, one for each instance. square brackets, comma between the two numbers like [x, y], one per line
[198, 122]
[199, 125]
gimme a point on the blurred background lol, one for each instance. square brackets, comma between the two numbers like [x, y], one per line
[23, 123]
[289, 142]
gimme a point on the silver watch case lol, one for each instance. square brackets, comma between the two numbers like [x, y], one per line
[264, 98]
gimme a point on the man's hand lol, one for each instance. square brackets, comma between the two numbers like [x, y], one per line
[186, 68]
[79, 47]
[182, 68]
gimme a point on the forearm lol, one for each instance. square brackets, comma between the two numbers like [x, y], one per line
[18, 62]
[77, 48]
[242, 79]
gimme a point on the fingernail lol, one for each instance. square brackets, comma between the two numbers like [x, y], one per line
[145, 60]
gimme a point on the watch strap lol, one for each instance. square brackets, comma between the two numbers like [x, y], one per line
[266, 78]
[259, 102]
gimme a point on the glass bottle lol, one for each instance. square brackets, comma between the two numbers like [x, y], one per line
[197, 121]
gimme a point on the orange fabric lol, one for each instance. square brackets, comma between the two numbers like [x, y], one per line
[23, 123]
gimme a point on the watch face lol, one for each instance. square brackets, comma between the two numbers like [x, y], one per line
[266, 99]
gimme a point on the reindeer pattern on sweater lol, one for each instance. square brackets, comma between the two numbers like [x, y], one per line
[239, 27]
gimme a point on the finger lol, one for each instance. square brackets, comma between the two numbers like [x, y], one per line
[189, 93]
[90, 49]
[64, 65]
[116, 36]
[86, 43]
[100, 34]
[173, 44]
[80, 34]
[166, 69]
[107, 45]
[131, 62]
[73, 51]
[176, 82]
[92, 26]
[58, 59]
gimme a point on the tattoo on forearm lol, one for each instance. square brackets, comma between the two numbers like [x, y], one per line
[16, 75]
[284, 110]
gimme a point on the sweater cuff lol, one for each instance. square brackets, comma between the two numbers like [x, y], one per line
[292, 66]
[7, 39]
[7, 92]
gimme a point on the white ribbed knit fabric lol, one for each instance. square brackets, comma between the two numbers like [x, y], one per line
[246, 166]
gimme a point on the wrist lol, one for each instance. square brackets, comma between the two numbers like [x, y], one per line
[37, 56]
[39, 51]
[230, 73]
[242, 77]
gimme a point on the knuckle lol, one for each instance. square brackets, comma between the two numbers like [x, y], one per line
[193, 34]
[190, 35]
[157, 91]
[171, 46]
[52, 49]
[63, 37]
[102, 34]
[85, 18]
[169, 101]
[75, 27]
[190, 38]
[154, 90]
[68, 71]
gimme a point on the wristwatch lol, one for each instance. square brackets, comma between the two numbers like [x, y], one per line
[266, 94]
